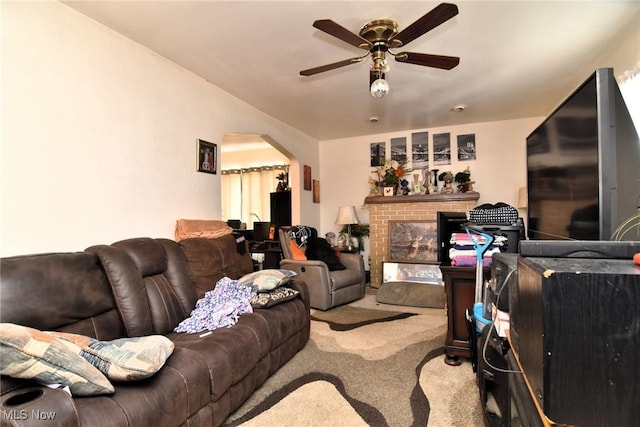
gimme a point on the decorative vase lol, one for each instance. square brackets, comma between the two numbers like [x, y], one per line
[434, 181]
[416, 184]
[425, 181]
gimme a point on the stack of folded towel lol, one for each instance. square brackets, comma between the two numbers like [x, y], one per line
[463, 251]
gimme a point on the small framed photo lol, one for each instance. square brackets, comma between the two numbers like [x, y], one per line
[272, 232]
[413, 241]
[207, 156]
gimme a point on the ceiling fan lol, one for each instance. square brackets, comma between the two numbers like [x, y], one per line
[379, 36]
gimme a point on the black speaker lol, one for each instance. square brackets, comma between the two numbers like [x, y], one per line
[575, 327]
[261, 231]
[280, 209]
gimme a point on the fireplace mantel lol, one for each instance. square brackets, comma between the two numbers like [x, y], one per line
[423, 198]
[383, 209]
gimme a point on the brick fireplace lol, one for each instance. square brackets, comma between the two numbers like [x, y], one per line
[418, 207]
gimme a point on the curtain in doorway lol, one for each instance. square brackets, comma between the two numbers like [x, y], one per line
[246, 192]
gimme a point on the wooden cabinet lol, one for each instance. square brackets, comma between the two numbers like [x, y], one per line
[460, 286]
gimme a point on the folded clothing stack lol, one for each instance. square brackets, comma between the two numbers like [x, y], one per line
[463, 251]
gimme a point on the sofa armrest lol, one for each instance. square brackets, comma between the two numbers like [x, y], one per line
[352, 261]
[316, 275]
[302, 287]
[21, 399]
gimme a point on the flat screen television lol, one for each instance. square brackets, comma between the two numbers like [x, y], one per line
[583, 166]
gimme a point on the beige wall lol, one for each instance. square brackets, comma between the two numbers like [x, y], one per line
[499, 169]
[99, 135]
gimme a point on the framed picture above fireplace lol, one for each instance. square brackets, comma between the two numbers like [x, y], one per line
[413, 241]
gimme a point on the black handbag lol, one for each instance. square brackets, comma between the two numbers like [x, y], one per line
[500, 213]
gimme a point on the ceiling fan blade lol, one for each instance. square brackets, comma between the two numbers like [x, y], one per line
[323, 68]
[436, 61]
[338, 31]
[440, 14]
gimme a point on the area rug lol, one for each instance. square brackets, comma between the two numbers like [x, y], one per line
[368, 364]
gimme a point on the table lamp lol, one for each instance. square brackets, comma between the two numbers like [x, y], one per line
[347, 216]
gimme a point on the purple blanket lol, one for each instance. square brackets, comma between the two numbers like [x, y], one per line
[219, 307]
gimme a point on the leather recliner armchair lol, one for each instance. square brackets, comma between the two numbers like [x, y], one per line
[327, 289]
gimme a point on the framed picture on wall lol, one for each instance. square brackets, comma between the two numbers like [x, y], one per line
[413, 241]
[378, 154]
[307, 177]
[442, 149]
[207, 156]
[420, 150]
[316, 191]
[467, 147]
[399, 149]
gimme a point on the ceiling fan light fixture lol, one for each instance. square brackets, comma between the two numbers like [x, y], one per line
[379, 36]
[379, 88]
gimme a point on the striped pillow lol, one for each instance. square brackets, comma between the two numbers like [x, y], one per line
[32, 354]
[123, 359]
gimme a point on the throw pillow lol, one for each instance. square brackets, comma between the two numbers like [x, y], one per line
[266, 280]
[123, 359]
[32, 354]
[274, 297]
[320, 249]
[296, 251]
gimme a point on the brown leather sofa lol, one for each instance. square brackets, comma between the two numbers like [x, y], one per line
[139, 287]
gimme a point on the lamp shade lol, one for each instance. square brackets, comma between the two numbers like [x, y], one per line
[347, 215]
[522, 198]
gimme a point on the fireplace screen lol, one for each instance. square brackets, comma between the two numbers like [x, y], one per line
[413, 241]
[413, 273]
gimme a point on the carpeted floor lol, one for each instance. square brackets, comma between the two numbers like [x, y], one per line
[368, 364]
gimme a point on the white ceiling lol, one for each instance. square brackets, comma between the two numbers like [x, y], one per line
[518, 58]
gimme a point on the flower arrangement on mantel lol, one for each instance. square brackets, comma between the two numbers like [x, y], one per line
[388, 175]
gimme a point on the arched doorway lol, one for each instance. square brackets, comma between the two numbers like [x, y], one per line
[250, 165]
